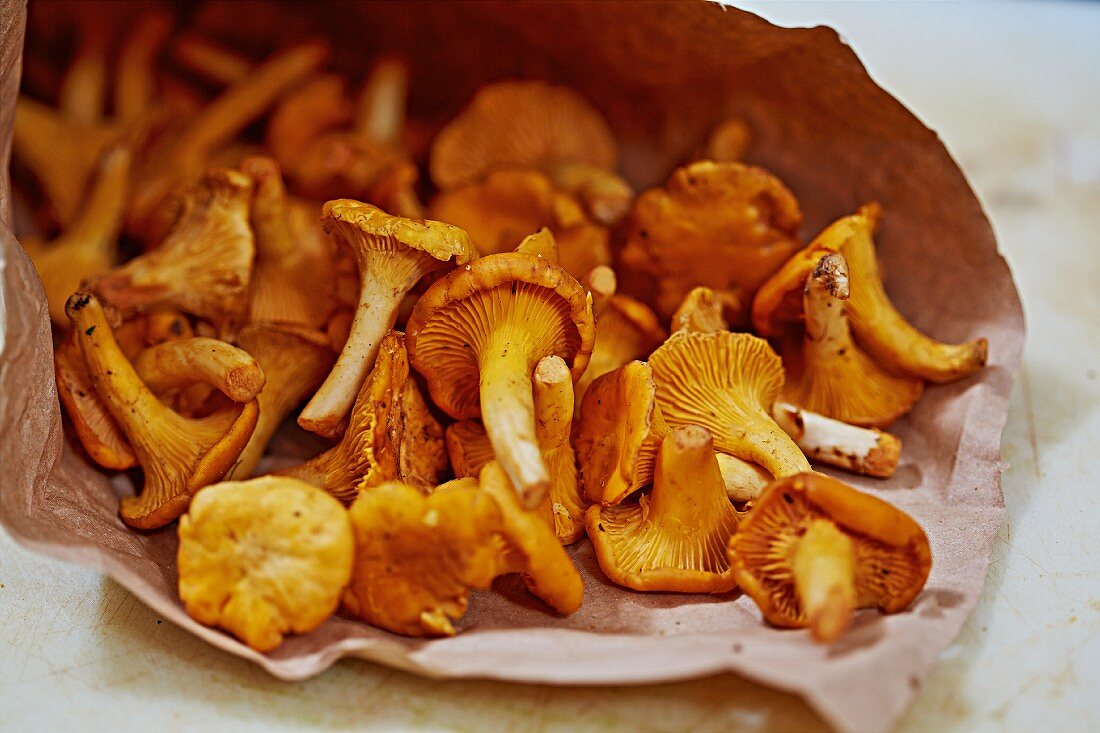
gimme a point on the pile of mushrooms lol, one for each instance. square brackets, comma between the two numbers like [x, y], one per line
[495, 361]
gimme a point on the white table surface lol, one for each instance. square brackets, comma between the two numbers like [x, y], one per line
[1014, 90]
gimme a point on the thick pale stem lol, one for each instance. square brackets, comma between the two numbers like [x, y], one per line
[743, 480]
[824, 577]
[687, 481]
[826, 325]
[376, 314]
[866, 451]
[553, 399]
[508, 412]
[174, 365]
[381, 115]
[602, 283]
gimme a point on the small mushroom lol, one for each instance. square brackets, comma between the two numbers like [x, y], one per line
[828, 372]
[314, 108]
[726, 226]
[507, 205]
[179, 455]
[204, 265]
[606, 196]
[294, 274]
[727, 383]
[866, 451]
[418, 557]
[728, 141]
[263, 558]
[675, 537]
[393, 254]
[88, 245]
[295, 361]
[602, 283]
[530, 546]
[172, 366]
[813, 549]
[390, 435]
[470, 450]
[626, 329]
[700, 312]
[477, 335]
[520, 124]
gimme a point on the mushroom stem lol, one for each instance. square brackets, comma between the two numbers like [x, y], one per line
[173, 365]
[381, 113]
[824, 576]
[377, 312]
[553, 401]
[602, 282]
[826, 326]
[686, 461]
[866, 451]
[508, 412]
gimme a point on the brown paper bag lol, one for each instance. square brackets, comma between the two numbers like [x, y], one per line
[663, 73]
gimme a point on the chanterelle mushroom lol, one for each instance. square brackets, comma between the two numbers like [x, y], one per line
[700, 311]
[179, 455]
[674, 538]
[828, 372]
[295, 361]
[726, 226]
[204, 265]
[727, 383]
[626, 329]
[175, 365]
[263, 558]
[393, 253]
[391, 434]
[814, 549]
[477, 334]
[88, 245]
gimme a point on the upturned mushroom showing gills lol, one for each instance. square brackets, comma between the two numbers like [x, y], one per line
[393, 254]
[813, 549]
[674, 538]
[727, 383]
[293, 279]
[883, 331]
[477, 334]
[391, 434]
[726, 226]
[178, 455]
[88, 245]
[828, 372]
[295, 360]
[264, 558]
[204, 265]
[418, 557]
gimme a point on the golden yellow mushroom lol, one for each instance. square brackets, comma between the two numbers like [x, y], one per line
[626, 329]
[393, 254]
[726, 226]
[172, 366]
[263, 558]
[675, 537]
[178, 455]
[391, 434]
[701, 312]
[813, 549]
[477, 335]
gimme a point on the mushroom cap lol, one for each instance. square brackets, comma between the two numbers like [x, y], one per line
[454, 318]
[244, 543]
[675, 538]
[892, 555]
[727, 226]
[417, 557]
[618, 434]
[700, 311]
[532, 546]
[520, 124]
[99, 434]
[368, 228]
[727, 382]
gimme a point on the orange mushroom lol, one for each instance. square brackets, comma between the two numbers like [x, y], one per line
[813, 549]
[701, 312]
[626, 329]
[675, 537]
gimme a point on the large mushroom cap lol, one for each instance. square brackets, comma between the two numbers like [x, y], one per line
[727, 226]
[812, 549]
[727, 383]
[528, 124]
[243, 544]
[477, 334]
[673, 539]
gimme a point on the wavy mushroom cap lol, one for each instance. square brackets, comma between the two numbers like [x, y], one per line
[394, 190]
[674, 538]
[367, 229]
[727, 383]
[813, 549]
[529, 124]
[700, 312]
[314, 108]
[726, 226]
[203, 266]
[626, 329]
[178, 455]
[244, 544]
[828, 372]
[418, 557]
[391, 434]
[294, 360]
[531, 547]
